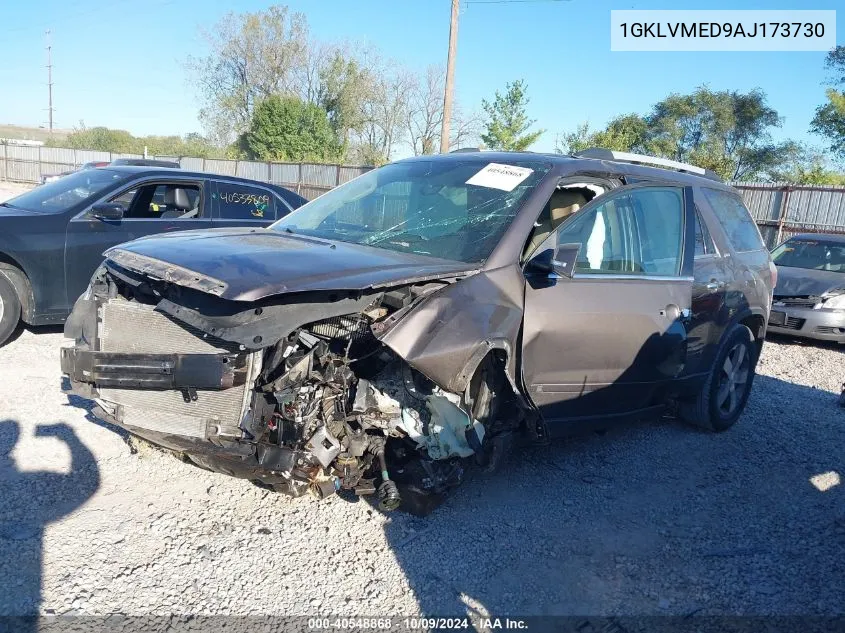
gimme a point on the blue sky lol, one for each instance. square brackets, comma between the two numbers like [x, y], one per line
[120, 63]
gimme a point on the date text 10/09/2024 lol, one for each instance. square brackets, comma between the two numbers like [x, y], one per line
[416, 623]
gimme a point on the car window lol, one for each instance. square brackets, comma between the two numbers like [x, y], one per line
[66, 192]
[242, 202]
[811, 254]
[167, 201]
[125, 198]
[639, 232]
[739, 226]
[453, 209]
[293, 199]
[703, 242]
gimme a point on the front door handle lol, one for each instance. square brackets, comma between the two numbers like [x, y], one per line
[714, 285]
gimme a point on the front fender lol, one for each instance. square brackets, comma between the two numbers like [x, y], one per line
[450, 332]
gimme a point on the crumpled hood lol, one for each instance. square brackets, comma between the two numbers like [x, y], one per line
[250, 264]
[796, 282]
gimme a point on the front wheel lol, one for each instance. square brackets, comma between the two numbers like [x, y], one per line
[10, 309]
[723, 395]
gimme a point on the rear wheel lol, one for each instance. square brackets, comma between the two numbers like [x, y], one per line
[723, 396]
[10, 308]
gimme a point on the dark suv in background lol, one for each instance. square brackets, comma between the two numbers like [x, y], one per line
[422, 316]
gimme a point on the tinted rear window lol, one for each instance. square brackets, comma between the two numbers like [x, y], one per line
[735, 219]
[242, 202]
[293, 199]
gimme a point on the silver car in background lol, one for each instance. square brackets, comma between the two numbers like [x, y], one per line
[809, 298]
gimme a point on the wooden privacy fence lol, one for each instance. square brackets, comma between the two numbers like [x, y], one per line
[22, 163]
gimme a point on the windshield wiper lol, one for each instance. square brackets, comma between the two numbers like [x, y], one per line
[13, 206]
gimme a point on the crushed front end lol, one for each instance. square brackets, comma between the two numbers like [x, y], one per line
[295, 393]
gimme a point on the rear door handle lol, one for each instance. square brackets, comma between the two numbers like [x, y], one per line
[674, 311]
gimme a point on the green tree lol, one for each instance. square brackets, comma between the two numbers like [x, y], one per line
[829, 120]
[727, 131]
[101, 139]
[251, 56]
[807, 166]
[507, 125]
[288, 129]
[342, 91]
[104, 139]
[626, 133]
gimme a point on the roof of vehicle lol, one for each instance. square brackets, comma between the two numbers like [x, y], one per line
[827, 237]
[166, 172]
[567, 165]
[147, 162]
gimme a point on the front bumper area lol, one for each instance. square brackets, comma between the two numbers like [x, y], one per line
[153, 371]
[149, 371]
[245, 460]
[820, 325]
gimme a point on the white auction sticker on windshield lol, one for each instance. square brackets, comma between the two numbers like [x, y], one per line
[497, 176]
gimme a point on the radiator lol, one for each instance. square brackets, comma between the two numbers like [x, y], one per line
[132, 327]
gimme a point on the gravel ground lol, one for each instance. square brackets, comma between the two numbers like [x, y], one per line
[12, 189]
[650, 519]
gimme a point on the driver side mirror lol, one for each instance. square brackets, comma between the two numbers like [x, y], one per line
[560, 261]
[108, 211]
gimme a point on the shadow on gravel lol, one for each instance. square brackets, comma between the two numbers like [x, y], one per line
[35, 329]
[86, 405]
[28, 502]
[649, 519]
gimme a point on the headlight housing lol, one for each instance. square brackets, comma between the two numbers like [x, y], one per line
[835, 299]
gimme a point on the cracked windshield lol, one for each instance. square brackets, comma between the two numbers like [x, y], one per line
[450, 210]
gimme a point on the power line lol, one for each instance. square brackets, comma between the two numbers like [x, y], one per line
[50, 79]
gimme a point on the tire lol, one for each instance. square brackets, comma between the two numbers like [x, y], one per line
[10, 308]
[723, 395]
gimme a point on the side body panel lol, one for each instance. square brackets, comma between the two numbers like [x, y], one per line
[89, 237]
[36, 243]
[448, 334]
[713, 280]
[750, 284]
[601, 346]
[605, 343]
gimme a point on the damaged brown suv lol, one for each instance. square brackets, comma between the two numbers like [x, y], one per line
[420, 318]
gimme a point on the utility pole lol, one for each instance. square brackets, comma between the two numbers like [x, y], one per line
[450, 78]
[50, 80]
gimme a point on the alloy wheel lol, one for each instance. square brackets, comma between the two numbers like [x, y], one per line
[733, 379]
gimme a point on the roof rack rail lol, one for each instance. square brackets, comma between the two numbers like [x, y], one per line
[641, 159]
[462, 150]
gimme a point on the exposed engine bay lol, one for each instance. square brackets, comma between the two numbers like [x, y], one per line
[324, 408]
